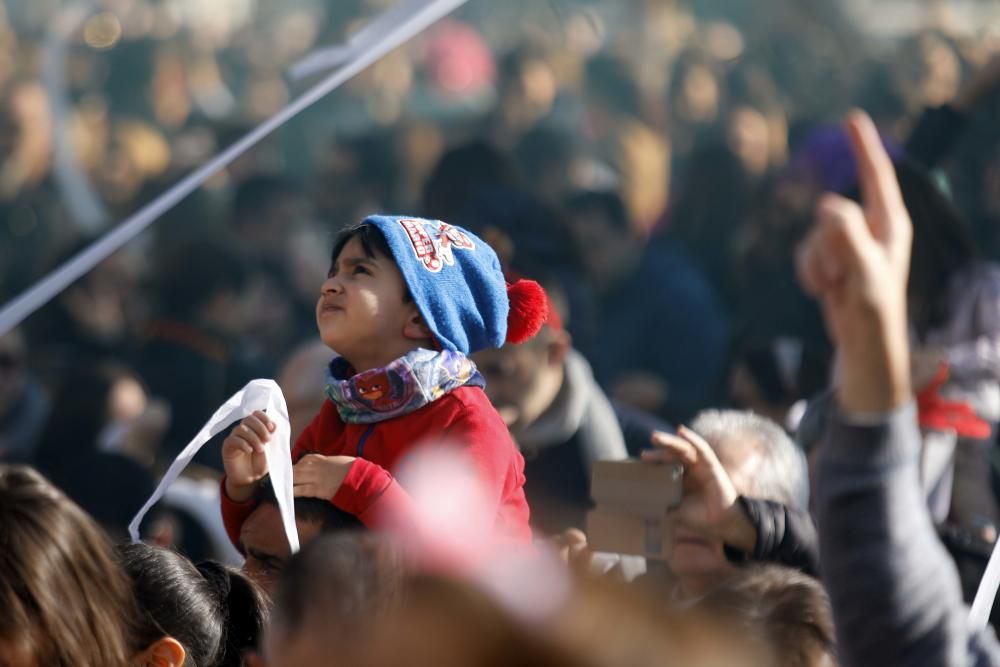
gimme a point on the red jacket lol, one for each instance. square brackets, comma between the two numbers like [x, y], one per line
[463, 416]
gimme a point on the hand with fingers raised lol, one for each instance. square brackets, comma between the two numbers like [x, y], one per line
[856, 262]
[243, 455]
[710, 502]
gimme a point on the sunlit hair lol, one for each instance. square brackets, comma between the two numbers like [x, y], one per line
[783, 607]
[65, 601]
[780, 474]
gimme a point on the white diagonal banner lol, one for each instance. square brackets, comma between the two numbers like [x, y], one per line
[384, 39]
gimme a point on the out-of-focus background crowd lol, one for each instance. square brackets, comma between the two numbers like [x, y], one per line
[656, 166]
[637, 157]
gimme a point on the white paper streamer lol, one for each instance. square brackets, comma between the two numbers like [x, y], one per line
[378, 28]
[389, 38]
[986, 594]
[257, 395]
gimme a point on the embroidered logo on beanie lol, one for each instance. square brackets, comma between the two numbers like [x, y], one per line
[434, 242]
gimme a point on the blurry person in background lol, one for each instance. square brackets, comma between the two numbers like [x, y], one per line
[271, 223]
[527, 87]
[24, 403]
[559, 417]
[190, 356]
[331, 591]
[266, 210]
[97, 316]
[419, 144]
[101, 406]
[65, 599]
[926, 71]
[355, 177]
[694, 102]
[102, 422]
[639, 156]
[746, 499]
[548, 160]
[663, 337]
[785, 610]
[462, 174]
[781, 353]
[705, 225]
[276, 318]
[756, 127]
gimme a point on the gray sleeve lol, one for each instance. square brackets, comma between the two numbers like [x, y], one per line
[894, 589]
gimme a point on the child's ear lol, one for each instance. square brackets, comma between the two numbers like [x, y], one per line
[415, 327]
[164, 652]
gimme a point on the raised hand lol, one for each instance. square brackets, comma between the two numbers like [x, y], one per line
[709, 505]
[856, 262]
[243, 455]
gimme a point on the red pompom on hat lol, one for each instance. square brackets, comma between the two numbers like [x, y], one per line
[529, 309]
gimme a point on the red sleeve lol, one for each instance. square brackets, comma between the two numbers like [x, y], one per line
[308, 440]
[370, 493]
[485, 440]
[234, 513]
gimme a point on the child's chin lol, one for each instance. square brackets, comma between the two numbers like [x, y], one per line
[329, 338]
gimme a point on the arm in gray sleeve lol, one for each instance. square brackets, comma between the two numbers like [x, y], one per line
[894, 589]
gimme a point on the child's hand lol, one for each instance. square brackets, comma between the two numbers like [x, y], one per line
[318, 476]
[243, 455]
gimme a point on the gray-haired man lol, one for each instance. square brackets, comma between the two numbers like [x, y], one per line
[746, 494]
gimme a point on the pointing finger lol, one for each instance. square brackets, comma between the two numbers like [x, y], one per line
[876, 176]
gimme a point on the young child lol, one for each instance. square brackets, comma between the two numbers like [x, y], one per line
[406, 300]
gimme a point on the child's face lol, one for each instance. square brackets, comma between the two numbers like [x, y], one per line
[362, 313]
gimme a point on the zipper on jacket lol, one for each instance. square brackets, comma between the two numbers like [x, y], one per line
[364, 439]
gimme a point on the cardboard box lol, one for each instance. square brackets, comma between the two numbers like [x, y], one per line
[622, 533]
[633, 499]
[634, 487]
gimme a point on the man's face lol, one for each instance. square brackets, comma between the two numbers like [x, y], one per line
[698, 562]
[362, 309]
[512, 373]
[266, 546]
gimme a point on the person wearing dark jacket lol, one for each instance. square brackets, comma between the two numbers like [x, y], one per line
[894, 591]
[663, 337]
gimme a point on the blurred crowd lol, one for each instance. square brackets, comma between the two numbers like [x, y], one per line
[654, 164]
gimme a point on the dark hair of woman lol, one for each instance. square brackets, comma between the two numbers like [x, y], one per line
[215, 612]
[65, 600]
[942, 246]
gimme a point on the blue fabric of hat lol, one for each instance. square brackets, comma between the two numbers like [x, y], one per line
[455, 280]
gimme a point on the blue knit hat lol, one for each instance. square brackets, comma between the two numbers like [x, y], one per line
[457, 284]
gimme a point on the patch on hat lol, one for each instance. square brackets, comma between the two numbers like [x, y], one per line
[433, 242]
